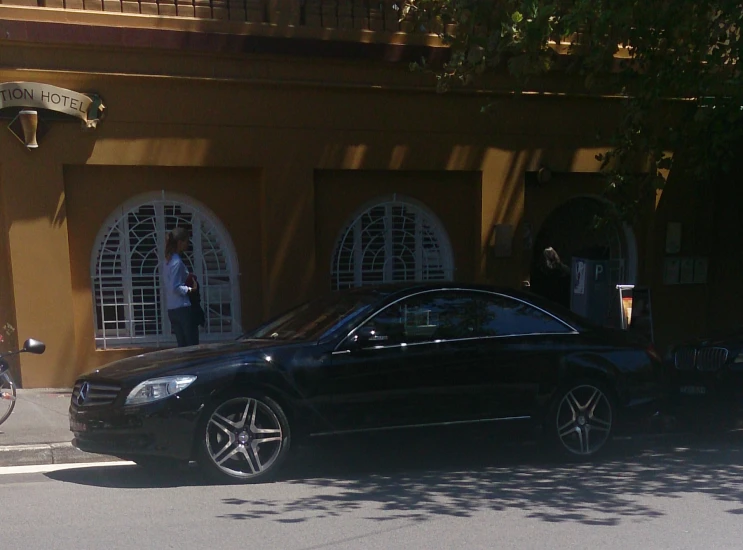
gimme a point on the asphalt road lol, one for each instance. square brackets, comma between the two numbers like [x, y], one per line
[674, 492]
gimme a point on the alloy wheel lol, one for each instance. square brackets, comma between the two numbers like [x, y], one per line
[244, 437]
[584, 420]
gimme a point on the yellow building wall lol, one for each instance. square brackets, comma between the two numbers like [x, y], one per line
[33, 197]
[7, 306]
[283, 164]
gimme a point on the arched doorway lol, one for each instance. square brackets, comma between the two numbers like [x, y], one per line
[572, 231]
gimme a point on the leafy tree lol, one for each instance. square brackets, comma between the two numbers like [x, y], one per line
[675, 63]
[6, 335]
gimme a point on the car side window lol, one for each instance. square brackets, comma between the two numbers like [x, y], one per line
[430, 316]
[503, 316]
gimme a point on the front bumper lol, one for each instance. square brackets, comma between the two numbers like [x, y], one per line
[707, 398]
[165, 428]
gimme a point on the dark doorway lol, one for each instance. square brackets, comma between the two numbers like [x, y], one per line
[572, 230]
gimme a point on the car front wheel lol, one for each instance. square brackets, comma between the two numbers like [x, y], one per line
[581, 419]
[243, 439]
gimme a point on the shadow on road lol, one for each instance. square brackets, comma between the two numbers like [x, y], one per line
[461, 482]
[421, 480]
[129, 476]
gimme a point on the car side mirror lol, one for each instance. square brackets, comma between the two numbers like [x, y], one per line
[34, 346]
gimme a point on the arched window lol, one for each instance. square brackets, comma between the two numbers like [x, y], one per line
[128, 299]
[392, 241]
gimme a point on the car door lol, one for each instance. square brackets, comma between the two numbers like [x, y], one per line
[520, 349]
[407, 371]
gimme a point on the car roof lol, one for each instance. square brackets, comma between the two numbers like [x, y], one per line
[394, 291]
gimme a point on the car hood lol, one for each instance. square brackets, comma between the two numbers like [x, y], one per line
[158, 363]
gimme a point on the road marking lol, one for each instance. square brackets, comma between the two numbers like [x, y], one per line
[46, 468]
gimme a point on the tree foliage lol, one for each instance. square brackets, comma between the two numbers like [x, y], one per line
[660, 56]
[6, 335]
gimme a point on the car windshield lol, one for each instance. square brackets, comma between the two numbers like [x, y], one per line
[317, 318]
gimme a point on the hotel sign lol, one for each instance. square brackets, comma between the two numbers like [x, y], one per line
[86, 107]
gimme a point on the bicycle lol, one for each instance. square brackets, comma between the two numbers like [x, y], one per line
[7, 385]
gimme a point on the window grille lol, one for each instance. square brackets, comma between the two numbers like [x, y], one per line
[392, 241]
[128, 299]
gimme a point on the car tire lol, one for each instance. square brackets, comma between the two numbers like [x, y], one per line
[243, 438]
[581, 418]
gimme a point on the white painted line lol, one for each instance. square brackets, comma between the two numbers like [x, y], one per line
[45, 468]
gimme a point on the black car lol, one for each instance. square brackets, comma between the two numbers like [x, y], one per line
[366, 360]
[707, 379]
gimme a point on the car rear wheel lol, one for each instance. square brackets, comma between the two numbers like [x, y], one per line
[244, 439]
[581, 419]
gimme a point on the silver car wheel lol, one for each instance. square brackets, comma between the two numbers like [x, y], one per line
[584, 420]
[243, 437]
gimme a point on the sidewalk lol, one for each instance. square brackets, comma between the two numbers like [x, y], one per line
[38, 431]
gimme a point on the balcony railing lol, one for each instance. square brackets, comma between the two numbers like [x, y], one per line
[371, 15]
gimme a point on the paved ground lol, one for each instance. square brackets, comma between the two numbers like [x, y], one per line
[38, 431]
[40, 416]
[669, 493]
[672, 491]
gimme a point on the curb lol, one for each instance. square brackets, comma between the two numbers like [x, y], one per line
[47, 453]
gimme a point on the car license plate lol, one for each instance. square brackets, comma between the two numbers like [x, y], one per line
[78, 426]
[693, 390]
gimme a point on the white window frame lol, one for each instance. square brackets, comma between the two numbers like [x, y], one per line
[201, 218]
[426, 225]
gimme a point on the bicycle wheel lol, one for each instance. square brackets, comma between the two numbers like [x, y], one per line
[7, 396]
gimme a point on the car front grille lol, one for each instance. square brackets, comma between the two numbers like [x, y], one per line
[711, 359]
[702, 359]
[685, 358]
[96, 394]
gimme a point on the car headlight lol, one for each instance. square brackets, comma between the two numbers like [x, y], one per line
[158, 388]
[739, 358]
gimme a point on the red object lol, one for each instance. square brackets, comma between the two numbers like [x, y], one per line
[652, 352]
[190, 280]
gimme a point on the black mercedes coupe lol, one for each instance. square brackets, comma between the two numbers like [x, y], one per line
[366, 360]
